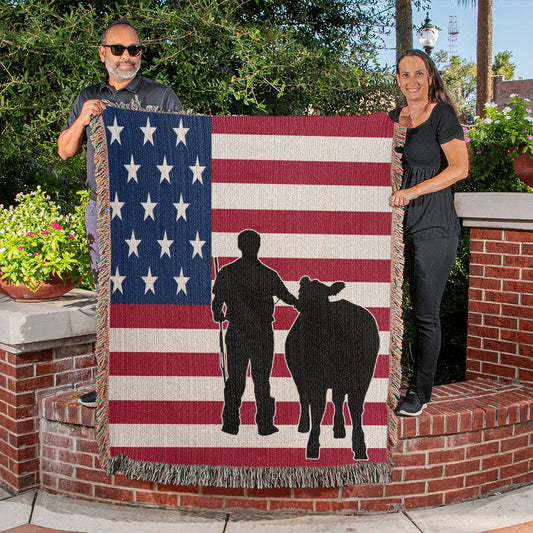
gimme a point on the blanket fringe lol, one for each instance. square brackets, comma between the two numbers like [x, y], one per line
[249, 477]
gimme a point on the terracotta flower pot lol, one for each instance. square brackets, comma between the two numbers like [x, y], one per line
[523, 168]
[54, 288]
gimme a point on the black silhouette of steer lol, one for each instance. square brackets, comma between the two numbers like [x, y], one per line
[331, 345]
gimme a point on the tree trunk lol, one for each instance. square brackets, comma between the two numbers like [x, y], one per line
[484, 55]
[404, 26]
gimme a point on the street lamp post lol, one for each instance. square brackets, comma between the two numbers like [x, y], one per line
[428, 35]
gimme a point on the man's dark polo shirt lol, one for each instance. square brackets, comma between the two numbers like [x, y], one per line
[148, 91]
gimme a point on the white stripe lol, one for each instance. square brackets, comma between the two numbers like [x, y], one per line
[289, 197]
[188, 340]
[211, 388]
[211, 436]
[301, 148]
[294, 245]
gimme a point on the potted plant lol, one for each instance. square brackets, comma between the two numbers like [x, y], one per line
[509, 130]
[42, 250]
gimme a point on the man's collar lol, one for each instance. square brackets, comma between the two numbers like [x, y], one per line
[132, 87]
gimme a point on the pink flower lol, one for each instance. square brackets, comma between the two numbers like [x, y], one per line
[35, 253]
[467, 139]
[70, 236]
[45, 232]
[528, 110]
[529, 137]
[478, 152]
[29, 234]
[56, 226]
[20, 247]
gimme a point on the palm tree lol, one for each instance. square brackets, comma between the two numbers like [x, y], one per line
[404, 26]
[483, 52]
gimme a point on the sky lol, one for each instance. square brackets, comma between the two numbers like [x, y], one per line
[512, 30]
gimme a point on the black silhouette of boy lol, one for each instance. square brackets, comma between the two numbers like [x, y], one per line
[248, 287]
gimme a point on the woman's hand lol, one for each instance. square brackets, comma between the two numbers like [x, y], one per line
[402, 197]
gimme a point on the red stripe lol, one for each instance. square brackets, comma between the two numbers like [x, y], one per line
[200, 317]
[261, 457]
[377, 125]
[300, 172]
[167, 412]
[304, 222]
[326, 270]
[198, 364]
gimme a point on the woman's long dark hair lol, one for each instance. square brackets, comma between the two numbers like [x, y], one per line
[437, 91]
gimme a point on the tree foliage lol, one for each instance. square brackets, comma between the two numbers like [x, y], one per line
[502, 65]
[220, 56]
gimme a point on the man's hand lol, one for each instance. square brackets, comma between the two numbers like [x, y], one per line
[89, 110]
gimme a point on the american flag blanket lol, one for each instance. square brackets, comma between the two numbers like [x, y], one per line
[244, 317]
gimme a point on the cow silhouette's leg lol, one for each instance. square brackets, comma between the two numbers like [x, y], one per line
[339, 429]
[318, 405]
[355, 405]
[304, 424]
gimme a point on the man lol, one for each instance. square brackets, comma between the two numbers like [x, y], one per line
[120, 50]
[247, 288]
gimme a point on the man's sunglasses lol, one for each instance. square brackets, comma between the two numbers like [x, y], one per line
[118, 49]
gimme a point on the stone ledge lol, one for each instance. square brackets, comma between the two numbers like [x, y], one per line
[505, 210]
[26, 326]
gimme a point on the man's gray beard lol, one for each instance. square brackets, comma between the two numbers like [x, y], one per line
[122, 75]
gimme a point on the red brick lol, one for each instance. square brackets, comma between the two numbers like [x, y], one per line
[92, 475]
[486, 234]
[414, 474]
[525, 350]
[329, 506]
[499, 346]
[527, 249]
[56, 467]
[73, 350]
[484, 307]
[380, 506]
[518, 286]
[399, 489]
[52, 367]
[502, 272]
[245, 503]
[85, 361]
[476, 270]
[418, 502]
[501, 297]
[462, 467]
[119, 480]
[484, 331]
[500, 322]
[362, 491]
[484, 283]
[74, 458]
[502, 248]
[48, 481]
[409, 459]
[222, 491]
[31, 357]
[446, 456]
[514, 443]
[499, 370]
[210, 502]
[519, 236]
[527, 274]
[72, 487]
[481, 478]
[189, 489]
[479, 450]
[475, 319]
[479, 258]
[290, 504]
[519, 311]
[460, 495]
[521, 337]
[483, 355]
[282, 492]
[425, 443]
[476, 245]
[31, 384]
[113, 493]
[517, 261]
[76, 376]
[446, 484]
[523, 454]
[407, 427]
[513, 470]
[316, 493]
[157, 498]
[463, 438]
[474, 295]
[496, 461]
[525, 376]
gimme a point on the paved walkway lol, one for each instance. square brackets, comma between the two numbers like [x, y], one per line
[40, 512]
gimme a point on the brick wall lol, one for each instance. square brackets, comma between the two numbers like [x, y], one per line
[24, 378]
[500, 309]
[474, 438]
[504, 89]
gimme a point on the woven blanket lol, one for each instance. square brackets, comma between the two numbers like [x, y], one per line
[244, 318]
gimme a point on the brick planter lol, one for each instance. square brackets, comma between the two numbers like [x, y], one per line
[474, 439]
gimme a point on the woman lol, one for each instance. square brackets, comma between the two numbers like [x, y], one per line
[434, 158]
